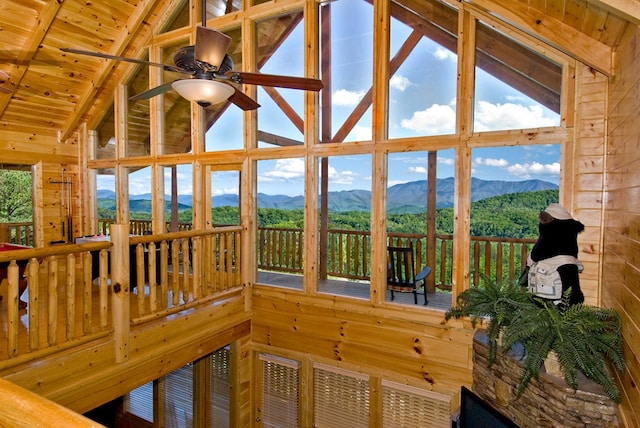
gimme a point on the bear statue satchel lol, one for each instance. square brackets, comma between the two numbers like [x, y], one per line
[543, 276]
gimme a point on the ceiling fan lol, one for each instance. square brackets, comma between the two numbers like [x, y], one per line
[211, 73]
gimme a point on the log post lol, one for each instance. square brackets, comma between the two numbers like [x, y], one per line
[121, 294]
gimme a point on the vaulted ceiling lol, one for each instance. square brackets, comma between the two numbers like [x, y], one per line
[45, 91]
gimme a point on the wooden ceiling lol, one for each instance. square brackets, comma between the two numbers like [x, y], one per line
[44, 91]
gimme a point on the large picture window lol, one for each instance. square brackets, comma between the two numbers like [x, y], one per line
[423, 69]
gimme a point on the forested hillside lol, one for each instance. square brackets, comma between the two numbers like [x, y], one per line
[512, 215]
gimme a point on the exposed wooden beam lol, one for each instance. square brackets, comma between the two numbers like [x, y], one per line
[133, 26]
[277, 140]
[629, 9]
[550, 30]
[501, 57]
[286, 108]
[45, 18]
[519, 67]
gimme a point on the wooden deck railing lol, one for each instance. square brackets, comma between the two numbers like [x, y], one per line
[70, 294]
[17, 233]
[280, 249]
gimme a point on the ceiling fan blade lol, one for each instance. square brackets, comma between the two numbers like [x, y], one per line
[125, 59]
[304, 83]
[211, 46]
[243, 101]
[151, 92]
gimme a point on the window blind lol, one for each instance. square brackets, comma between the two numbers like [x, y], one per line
[179, 397]
[219, 388]
[407, 406]
[139, 402]
[341, 398]
[280, 392]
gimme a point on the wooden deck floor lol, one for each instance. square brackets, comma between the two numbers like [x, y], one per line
[359, 290]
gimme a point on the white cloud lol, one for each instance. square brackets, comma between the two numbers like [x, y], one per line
[436, 119]
[442, 54]
[224, 191]
[527, 170]
[490, 117]
[345, 98]
[491, 162]
[341, 177]
[399, 82]
[286, 169]
[418, 169]
[446, 161]
[361, 133]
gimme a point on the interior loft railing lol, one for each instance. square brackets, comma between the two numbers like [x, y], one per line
[72, 290]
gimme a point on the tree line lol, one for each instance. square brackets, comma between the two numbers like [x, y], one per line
[513, 215]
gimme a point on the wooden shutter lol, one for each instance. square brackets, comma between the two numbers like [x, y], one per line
[407, 406]
[341, 398]
[280, 392]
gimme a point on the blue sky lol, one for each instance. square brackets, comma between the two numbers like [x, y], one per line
[421, 103]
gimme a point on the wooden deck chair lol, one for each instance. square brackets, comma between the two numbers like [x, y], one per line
[401, 275]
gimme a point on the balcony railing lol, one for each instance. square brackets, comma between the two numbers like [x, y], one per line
[17, 233]
[280, 250]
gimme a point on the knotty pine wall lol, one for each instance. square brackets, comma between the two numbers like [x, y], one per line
[47, 157]
[621, 266]
[582, 189]
[405, 344]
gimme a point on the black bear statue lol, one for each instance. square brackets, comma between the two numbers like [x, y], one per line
[553, 263]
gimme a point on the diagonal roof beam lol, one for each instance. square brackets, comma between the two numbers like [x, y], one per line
[407, 47]
[133, 30]
[45, 18]
[550, 30]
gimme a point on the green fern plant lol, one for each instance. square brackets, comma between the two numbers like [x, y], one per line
[585, 338]
[497, 303]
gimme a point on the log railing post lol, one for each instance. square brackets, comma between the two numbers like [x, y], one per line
[121, 289]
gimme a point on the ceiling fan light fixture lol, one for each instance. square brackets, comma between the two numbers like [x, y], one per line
[202, 91]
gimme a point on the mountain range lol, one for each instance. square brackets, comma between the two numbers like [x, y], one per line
[410, 197]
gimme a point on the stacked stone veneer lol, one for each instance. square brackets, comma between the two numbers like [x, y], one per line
[546, 402]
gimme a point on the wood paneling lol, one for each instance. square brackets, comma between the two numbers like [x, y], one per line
[414, 348]
[621, 253]
[82, 379]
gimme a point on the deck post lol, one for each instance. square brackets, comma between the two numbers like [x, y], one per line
[120, 284]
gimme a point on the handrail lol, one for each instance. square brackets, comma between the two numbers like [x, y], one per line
[20, 407]
[177, 271]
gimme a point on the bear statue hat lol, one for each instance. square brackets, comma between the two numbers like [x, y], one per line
[558, 212]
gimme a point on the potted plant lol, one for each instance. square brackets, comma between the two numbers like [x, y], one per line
[584, 338]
